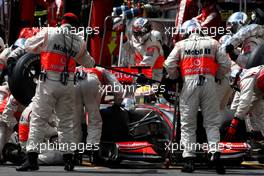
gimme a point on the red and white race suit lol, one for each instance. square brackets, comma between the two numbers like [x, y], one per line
[89, 92]
[250, 36]
[148, 53]
[200, 61]
[57, 47]
[47, 156]
[248, 103]
[24, 123]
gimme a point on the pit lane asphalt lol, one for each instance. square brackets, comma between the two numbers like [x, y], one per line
[128, 169]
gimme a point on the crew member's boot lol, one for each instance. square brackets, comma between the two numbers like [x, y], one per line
[188, 165]
[95, 157]
[30, 164]
[77, 158]
[215, 159]
[68, 162]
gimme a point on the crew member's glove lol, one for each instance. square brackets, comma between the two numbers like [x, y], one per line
[229, 48]
[233, 56]
[231, 51]
[218, 81]
[232, 129]
[15, 128]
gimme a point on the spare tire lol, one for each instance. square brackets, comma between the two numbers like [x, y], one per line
[22, 82]
[256, 57]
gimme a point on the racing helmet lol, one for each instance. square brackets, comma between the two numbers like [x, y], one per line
[188, 27]
[141, 29]
[19, 43]
[234, 78]
[236, 21]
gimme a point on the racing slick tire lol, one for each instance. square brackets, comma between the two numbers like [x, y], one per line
[22, 82]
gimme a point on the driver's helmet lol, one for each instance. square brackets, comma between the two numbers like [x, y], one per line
[236, 21]
[188, 27]
[235, 77]
[19, 43]
[141, 29]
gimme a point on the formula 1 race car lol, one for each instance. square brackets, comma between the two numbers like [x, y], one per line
[146, 133]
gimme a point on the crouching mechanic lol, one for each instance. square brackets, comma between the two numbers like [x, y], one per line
[200, 62]
[249, 36]
[47, 156]
[9, 120]
[92, 85]
[144, 48]
[59, 50]
[248, 101]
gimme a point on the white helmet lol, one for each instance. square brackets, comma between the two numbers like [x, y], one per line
[141, 29]
[236, 21]
[190, 26]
